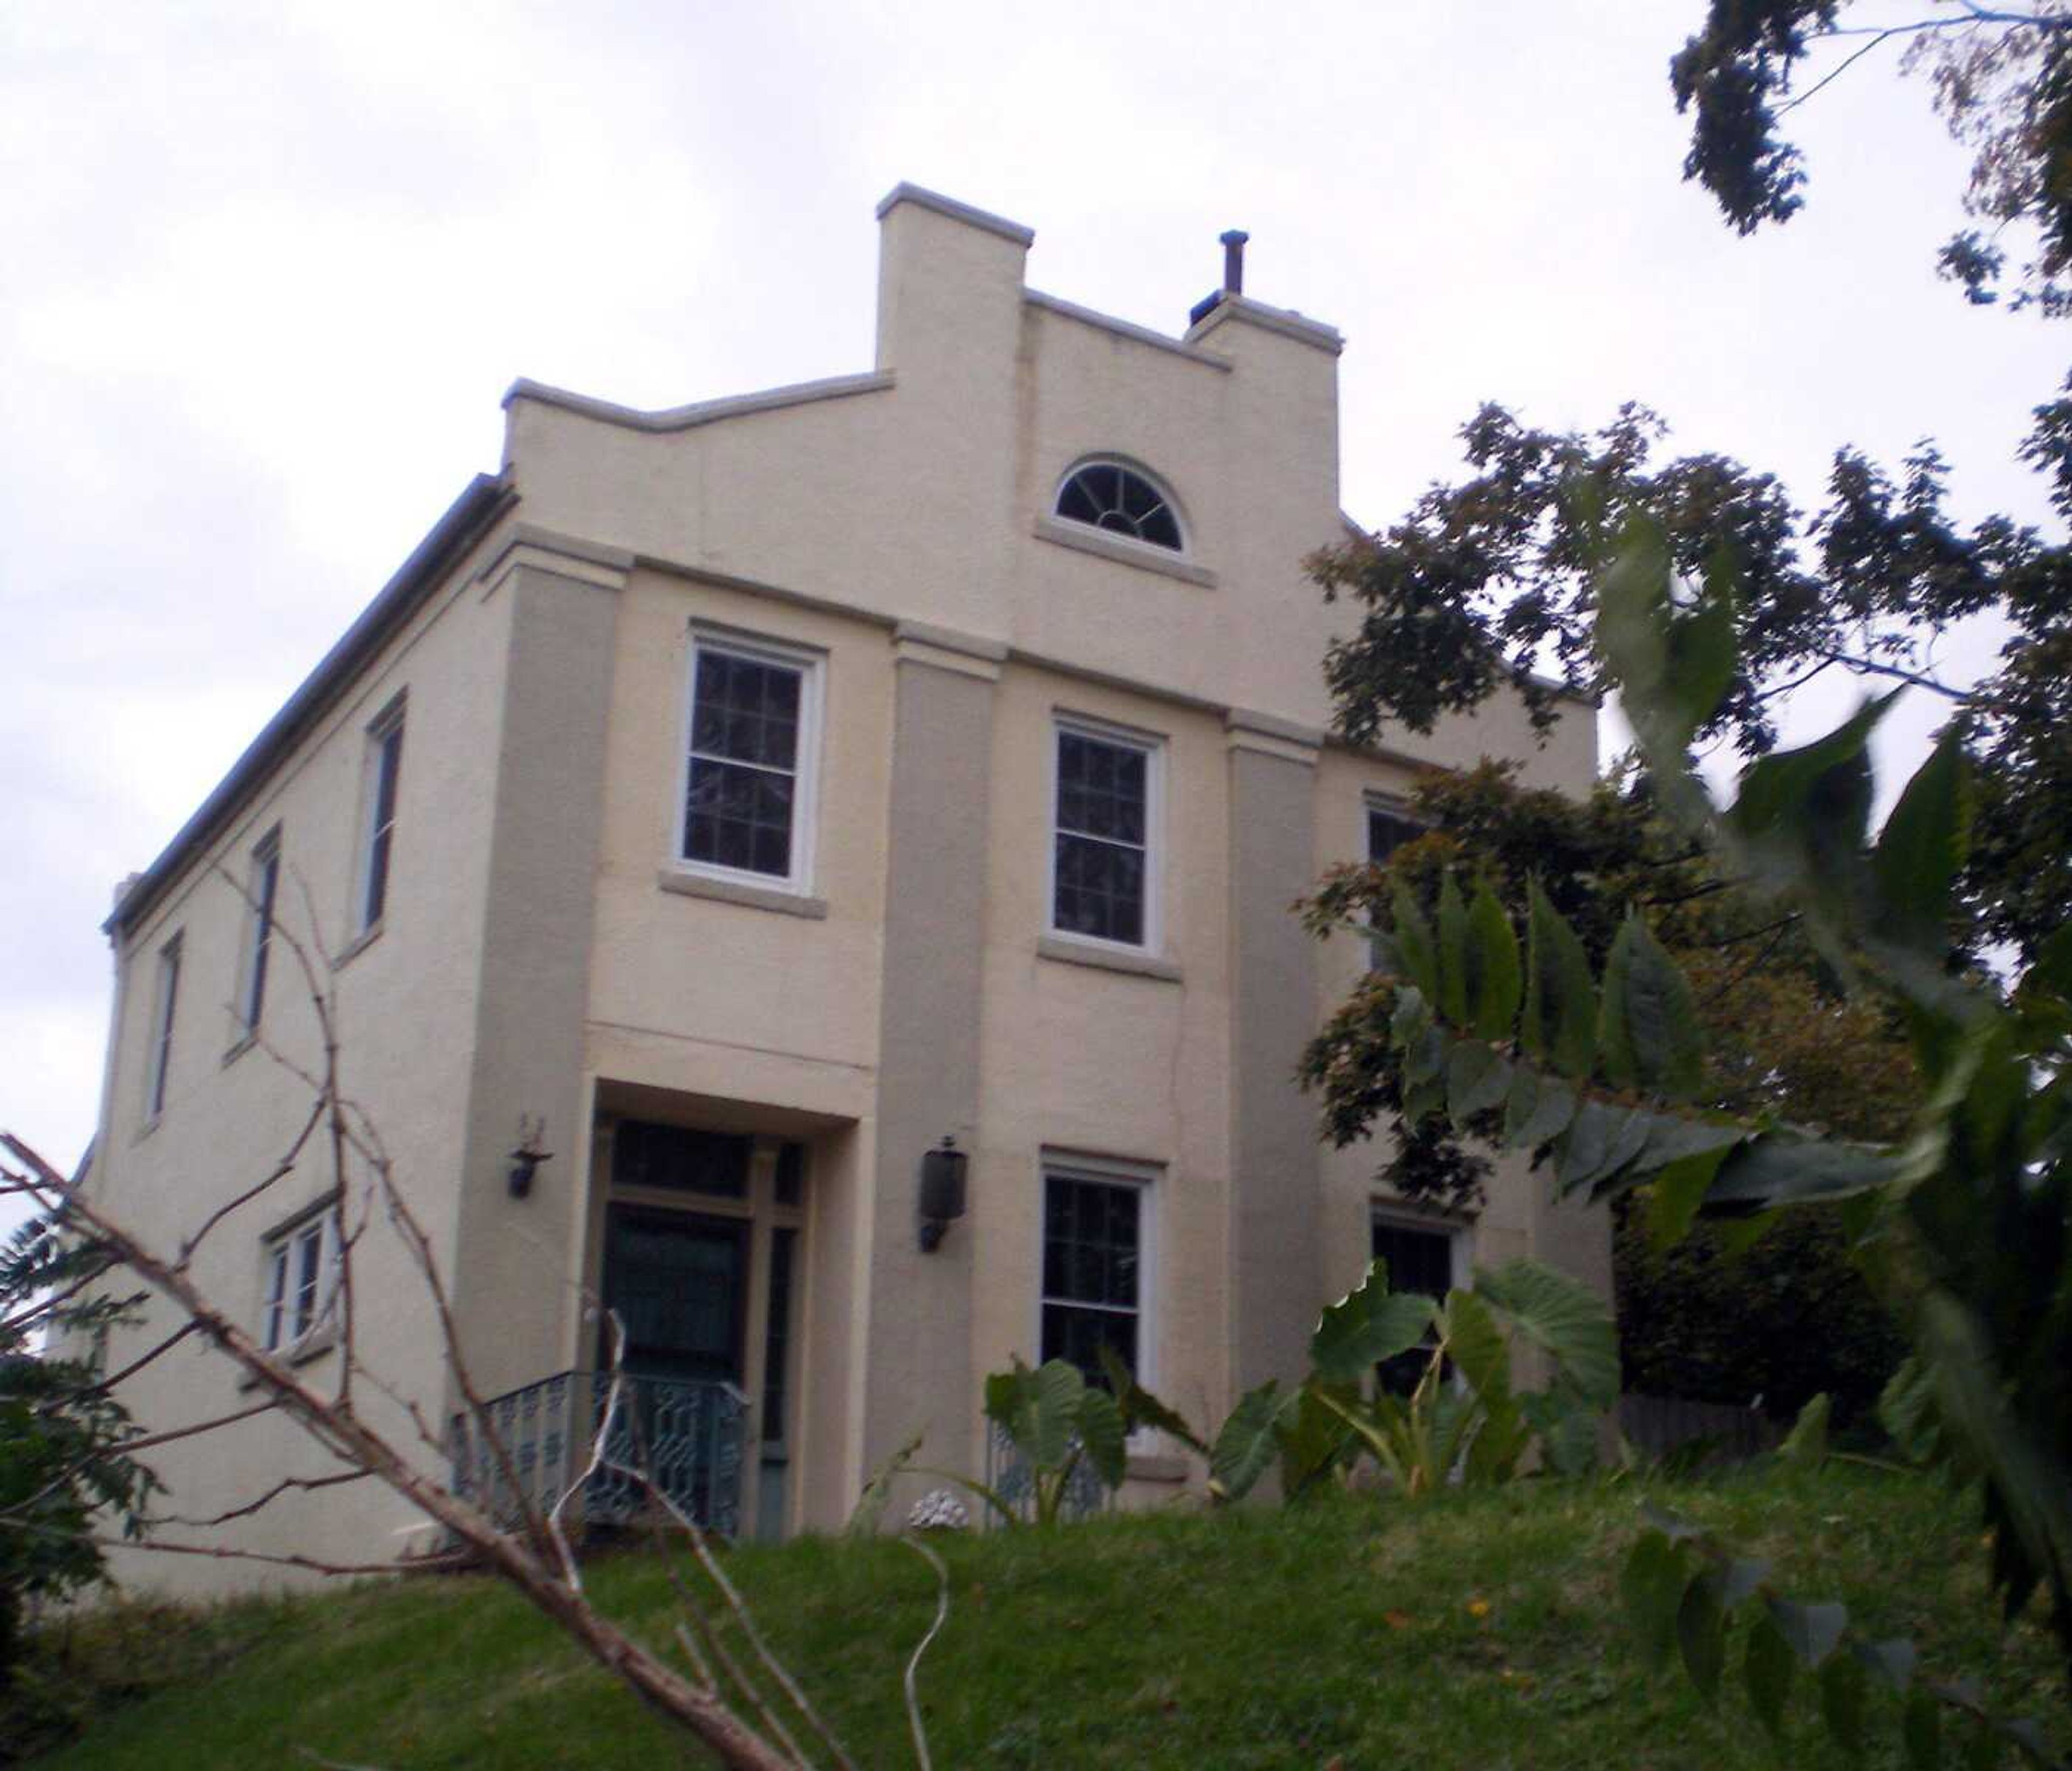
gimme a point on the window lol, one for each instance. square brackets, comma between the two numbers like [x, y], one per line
[260, 896]
[1095, 1261]
[1105, 495]
[748, 776]
[1103, 876]
[1389, 828]
[302, 1281]
[1420, 1260]
[385, 771]
[161, 1058]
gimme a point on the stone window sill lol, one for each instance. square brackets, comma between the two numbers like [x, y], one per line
[1139, 554]
[1156, 1467]
[311, 1347]
[729, 891]
[360, 943]
[1103, 958]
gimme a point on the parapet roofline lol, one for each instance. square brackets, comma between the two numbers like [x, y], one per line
[923, 198]
[701, 411]
[487, 498]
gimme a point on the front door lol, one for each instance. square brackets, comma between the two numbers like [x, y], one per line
[678, 1284]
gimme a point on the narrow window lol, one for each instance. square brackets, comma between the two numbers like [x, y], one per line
[747, 781]
[1389, 828]
[302, 1270]
[385, 771]
[1105, 495]
[166, 1002]
[1101, 860]
[1420, 1260]
[777, 1335]
[261, 894]
[1092, 1295]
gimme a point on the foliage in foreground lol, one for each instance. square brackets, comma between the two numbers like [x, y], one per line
[1482, 1628]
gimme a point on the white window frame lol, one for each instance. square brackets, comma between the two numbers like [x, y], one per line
[390, 723]
[1107, 1171]
[1153, 746]
[317, 1234]
[261, 900]
[811, 666]
[165, 1007]
[1158, 484]
[1390, 805]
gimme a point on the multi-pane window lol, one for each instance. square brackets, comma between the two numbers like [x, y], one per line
[161, 1055]
[1388, 829]
[1101, 866]
[1093, 1271]
[385, 772]
[745, 788]
[1107, 495]
[301, 1281]
[260, 892]
[1420, 1260]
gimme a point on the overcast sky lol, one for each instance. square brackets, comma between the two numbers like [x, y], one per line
[265, 270]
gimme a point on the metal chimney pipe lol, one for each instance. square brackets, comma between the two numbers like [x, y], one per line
[1234, 261]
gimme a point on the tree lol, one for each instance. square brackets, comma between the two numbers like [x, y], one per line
[66, 1444]
[1964, 1226]
[2002, 80]
[1787, 1320]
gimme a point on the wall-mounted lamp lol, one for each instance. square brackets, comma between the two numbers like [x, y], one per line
[942, 1193]
[526, 1159]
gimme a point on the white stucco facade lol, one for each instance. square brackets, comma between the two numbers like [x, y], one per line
[545, 955]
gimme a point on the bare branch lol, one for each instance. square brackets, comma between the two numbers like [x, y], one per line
[287, 1485]
[101, 1386]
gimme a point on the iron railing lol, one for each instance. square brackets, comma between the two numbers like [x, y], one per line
[689, 1438]
[1007, 1475]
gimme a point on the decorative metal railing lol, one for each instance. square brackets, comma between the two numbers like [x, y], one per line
[689, 1438]
[1007, 1475]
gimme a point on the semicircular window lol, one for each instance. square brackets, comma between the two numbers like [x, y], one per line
[1109, 497]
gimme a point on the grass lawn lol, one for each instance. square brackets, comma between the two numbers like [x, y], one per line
[1478, 1629]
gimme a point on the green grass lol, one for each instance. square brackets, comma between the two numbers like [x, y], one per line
[1478, 1629]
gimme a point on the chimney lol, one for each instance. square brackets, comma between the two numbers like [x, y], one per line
[1233, 243]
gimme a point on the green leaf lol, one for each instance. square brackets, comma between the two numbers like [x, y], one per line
[1313, 1441]
[1701, 1634]
[1982, 1751]
[1769, 1668]
[1412, 1032]
[1413, 942]
[1805, 1447]
[1140, 1408]
[1246, 1445]
[1601, 1141]
[1476, 1080]
[1678, 1189]
[1563, 1317]
[1497, 978]
[1812, 1630]
[1702, 649]
[1475, 1344]
[1366, 1325]
[1052, 1413]
[1800, 814]
[1560, 1023]
[1845, 1696]
[1921, 1729]
[1648, 1028]
[1652, 1585]
[1777, 1169]
[1920, 849]
[1536, 1108]
[1103, 1434]
[1452, 998]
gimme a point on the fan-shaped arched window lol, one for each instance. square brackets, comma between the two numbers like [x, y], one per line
[1105, 495]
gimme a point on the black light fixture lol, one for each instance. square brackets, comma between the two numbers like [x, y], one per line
[526, 1159]
[942, 1193]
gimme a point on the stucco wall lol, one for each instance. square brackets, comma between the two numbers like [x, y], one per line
[406, 1013]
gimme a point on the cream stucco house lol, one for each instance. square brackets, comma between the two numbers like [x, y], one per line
[733, 802]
